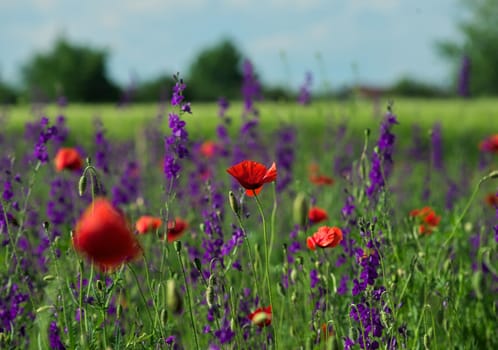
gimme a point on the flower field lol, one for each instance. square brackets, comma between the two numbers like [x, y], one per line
[323, 225]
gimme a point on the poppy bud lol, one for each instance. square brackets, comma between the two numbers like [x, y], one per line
[82, 185]
[234, 203]
[281, 289]
[43, 308]
[46, 225]
[233, 324]
[48, 278]
[300, 212]
[164, 317]
[293, 275]
[197, 264]
[210, 296]
[173, 297]
[178, 246]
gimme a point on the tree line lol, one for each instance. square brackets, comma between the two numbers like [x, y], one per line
[79, 73]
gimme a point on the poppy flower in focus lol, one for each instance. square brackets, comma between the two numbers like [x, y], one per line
[490, 144]
[253, 175]
[317, 215]
[104, 236]
[325, 237]
[317, 178]
[68, 158]
[176, 229]
[491, 199]
[427, 218]
[148, 223]
[261, 316]
[208, 149]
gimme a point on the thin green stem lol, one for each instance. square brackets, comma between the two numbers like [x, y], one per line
[189, 302]
[141, 293]
[267, 260]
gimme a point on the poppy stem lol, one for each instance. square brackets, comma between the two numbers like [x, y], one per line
[179, 254]
[141, 293]
[267, 259]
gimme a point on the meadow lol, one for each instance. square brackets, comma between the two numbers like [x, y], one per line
[157, 227]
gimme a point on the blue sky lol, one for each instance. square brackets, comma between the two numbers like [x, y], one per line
[384, 39]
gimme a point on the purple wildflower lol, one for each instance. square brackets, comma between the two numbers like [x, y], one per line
[251, 88]
[464, 77]
[304, 97]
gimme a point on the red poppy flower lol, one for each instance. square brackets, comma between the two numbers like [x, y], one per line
[325, 237]
[208, 149]
[148, 223]
[427, 218]
[492, 200]
[103, 235]
[176, 229]
[253, 175]
[261, 316]
[68, 158]
[490, 144]
[317, 215]
[317, 178]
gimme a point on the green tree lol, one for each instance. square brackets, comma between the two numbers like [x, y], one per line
[155, 89]
[480, 45]
[76, 71]
[216, 72]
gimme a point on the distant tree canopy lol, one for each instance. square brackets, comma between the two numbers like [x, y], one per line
[215, 72]
[407, 86]
[77, 72]
[480, 45]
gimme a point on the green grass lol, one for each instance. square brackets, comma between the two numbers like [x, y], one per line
[460, 118]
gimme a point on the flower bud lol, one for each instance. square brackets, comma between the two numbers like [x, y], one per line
[173, 297]
[234, 203]
[82, 185]
[301, 208]
[178, 246]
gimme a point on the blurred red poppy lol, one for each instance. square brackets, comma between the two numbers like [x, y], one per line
[325, 237]
[208, 149]
[317, 215]
[176, 229]
[104, 236]
[491, 199]
[490, 144]
[68, 158]
[253, 175]
[261, 316]
[317, 178]
[427, 218]
[148, 223]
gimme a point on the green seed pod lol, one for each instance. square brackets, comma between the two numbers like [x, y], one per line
[44, 308]
[178, 246]
[210, 296]
[293, 275]
[48, 278]
[198, 264]
[173, 297]
[100, 285]
[164, 317]
[300, 212]
[281, 290]
[82, 185]
[234, 203]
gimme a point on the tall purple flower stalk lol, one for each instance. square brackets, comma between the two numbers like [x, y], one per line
[304, 96]
[127, 190]
[464, 77]
[251, 88]
[47, 132]
[176, 144]
[103, 148]
[286, 138]
[382, 162]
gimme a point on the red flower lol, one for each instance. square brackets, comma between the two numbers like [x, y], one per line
[490, 144]
[176, 229]
[253, 175]
[427, 218]
[317, 215]
[317, 178]
[148, 223]
[261, 317]
[103, 235]
[68, 158]
[325, 237]
[208, 149]
[492, 200]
